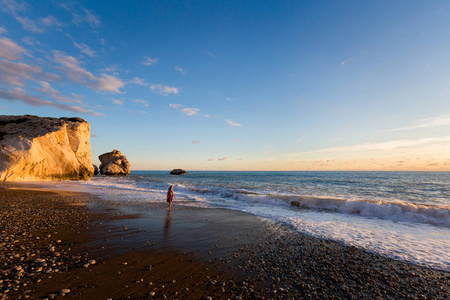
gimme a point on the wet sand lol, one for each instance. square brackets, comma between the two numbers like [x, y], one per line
[76, 245]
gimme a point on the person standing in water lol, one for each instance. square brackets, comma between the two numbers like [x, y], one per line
[170, 196]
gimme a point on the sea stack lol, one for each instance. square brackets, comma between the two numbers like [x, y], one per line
[35, 148]
[114, 163]
[177, 172]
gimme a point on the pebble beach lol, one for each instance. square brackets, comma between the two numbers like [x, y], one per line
[57, 244]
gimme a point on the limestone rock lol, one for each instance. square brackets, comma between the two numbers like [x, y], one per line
[35, 148]
[114, 163]
[178, 172]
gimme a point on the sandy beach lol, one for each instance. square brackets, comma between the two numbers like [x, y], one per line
[57, 243]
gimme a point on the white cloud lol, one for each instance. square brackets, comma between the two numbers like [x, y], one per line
[207, 116]
[181, 70]
[85, 49]
[118, 102]
[233, 123]
[164, 89]
[10, 49]
[190, 111]
[156, 87]
[148, 61]
[141, 102]
[18, 94]
[71, 67]
[176, 106]
[443, 120]
[187, 110]
[229, 99]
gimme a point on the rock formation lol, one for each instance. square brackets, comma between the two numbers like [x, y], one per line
[114, 163]
[95, 170]
[35, 148]
[178, 172]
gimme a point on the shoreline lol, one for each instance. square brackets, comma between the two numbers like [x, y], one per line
[194, 253]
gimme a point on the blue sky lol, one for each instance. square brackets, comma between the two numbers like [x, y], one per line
[238, 85]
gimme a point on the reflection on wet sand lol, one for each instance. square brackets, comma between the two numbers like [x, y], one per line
[167, 224]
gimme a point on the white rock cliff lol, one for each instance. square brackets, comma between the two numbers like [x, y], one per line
[34, 148]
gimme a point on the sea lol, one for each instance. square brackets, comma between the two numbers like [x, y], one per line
[400, 215]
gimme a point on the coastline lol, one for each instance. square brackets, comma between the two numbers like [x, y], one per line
[191, 253]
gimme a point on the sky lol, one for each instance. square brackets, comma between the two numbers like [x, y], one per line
[238, 85]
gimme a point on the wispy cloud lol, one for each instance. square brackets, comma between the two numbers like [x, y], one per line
[37, 25]
[210, 54]
[141, 102]
[438, 121]
[195, 142]
[30, 41]
[233, 123]
[3, 30]
[10, 49]
[229, 99]
[186, 110]
[112, 68]
[71, 67]
[48, 90]
[16, 8]
[176, 106]
[181, 70]
[190, 111]
[223, 158]
[164, 89]
[148, 61]
[117, 101]
[15, 73]
[18, 94]
[387, 146]
[85, 49]
[138, 81]
[81, 15]
[211, 159]
[157, 88]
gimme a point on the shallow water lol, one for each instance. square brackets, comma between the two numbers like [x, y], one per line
[402, 215]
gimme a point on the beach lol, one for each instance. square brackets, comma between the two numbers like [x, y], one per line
[74, 244]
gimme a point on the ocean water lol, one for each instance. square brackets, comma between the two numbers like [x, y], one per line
[401, 215]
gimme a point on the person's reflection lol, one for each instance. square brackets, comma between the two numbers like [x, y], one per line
[167, 224]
